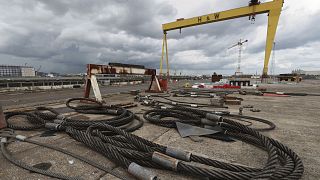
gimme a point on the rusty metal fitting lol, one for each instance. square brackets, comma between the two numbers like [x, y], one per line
[140, 172]
[165, 160]
[179, 154]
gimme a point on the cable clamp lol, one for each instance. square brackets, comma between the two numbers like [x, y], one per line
[165, 161]
[208, 122]
[163, 107]
[179, 154]
[141, 172]
[20, 137]
[61, 117]
[220, 122]
[213, 117]
[52, 126]
[113, 111]
[3, 140]
[58, 121]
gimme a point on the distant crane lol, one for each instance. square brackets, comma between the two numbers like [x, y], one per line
[239, 44]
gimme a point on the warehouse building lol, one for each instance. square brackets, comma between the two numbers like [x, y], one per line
[16, 71]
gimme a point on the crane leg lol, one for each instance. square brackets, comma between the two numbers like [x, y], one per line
[162, 54]
[273, 20]
[167, 56]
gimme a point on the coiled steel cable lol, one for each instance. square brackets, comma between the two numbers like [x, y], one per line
[38, 119]
[43, 116]
[282, 162]
[126, 149]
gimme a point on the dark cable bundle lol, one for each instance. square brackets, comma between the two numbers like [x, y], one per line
[282, 163]
[51, 119]
[134, 153]
[48, 118]
[197, 117]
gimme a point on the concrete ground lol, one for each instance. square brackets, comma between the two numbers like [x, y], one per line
[23, 98]
[296, 117]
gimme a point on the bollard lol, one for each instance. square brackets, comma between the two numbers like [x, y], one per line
[3, 123]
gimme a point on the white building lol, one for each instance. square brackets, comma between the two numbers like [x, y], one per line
[28, 72]
[16, 71]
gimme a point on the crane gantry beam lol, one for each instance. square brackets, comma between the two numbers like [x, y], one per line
[273, 8]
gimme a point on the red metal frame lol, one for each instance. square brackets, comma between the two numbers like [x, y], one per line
[93, 69]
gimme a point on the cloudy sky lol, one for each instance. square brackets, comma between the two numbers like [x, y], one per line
[64, 35]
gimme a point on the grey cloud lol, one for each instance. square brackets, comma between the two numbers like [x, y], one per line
[63, 36]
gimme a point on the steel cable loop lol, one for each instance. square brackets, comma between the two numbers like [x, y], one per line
[181, 103]
[96, 105]
[131, 138]
[202, 172]
[271, 124]
[290, 164]
[98, 146]
[228, 115]
[35, 122]
[122, 118]
[295, 173]
[266, 172]
[121, 156]
[48, 116]
[135, 140]
[156, 115]
[124, 148]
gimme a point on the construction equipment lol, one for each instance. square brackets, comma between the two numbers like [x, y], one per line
[239, 44]
[94, 69]
[273, 8]
[216, 77]
[293, 77]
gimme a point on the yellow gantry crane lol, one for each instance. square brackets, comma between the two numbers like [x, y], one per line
[273, 8]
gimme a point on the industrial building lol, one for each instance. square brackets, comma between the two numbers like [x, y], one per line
[16, 71]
